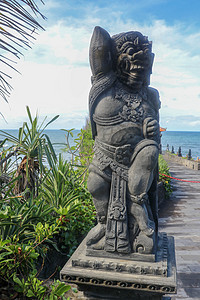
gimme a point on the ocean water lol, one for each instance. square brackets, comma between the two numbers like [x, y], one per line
[58, 139]
[184, 139]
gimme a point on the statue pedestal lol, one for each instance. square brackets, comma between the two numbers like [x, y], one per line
[138, 276]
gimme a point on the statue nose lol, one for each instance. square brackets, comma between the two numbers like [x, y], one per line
[139, 55]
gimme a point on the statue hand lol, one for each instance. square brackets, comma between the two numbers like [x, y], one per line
[100, 52]
[150, 128]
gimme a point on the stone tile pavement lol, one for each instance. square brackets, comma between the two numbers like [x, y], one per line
[180, 217]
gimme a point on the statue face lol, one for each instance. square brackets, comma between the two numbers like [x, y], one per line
[134, 63]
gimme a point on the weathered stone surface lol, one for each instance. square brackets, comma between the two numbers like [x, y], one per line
[124, 119]
[124, 275]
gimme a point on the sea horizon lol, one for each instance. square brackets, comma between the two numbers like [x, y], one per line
[82, 128]
[186, 139]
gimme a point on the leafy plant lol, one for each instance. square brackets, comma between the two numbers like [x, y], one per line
[58, 185]
[33, 147]
[60, 215]
[18, 217]
[16, 258]
[58, 289]
[17, 28]
[77, 226]
[82, 150]
[62, 188]
[35, 288]
[164, 170]
[85, 143]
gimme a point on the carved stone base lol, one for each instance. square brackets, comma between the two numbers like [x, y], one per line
[123, 277]
[105, 293]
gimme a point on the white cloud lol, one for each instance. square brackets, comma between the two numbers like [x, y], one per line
[56, 78]
[61, 44]
[50, 90]
[195, 123]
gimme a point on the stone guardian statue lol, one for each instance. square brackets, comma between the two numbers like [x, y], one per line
[125, 125]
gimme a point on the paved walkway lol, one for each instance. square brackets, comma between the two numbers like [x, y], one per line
[180, 217]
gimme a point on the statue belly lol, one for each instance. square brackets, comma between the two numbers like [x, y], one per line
[120, 134]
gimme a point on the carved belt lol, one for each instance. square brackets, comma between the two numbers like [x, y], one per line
[121, 154]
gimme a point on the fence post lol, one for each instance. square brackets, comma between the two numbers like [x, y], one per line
[189, 156]
[179, 152]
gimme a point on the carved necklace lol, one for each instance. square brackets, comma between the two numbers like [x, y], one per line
[132, 109]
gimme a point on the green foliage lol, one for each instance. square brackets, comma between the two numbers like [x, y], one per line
[85, 143]
[16, 258]
[58, 187]
[59, 214]
[32, 287]
[23, 239]
[35, 289]
[32, 146]
[164, 169]
[75, 227]
[63, 190]
[18, 218]
[58, 289]
[82, 151]
[32, 142]
[6, 164]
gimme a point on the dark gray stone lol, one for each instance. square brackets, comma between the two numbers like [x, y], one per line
[124, 118]
[98, 277]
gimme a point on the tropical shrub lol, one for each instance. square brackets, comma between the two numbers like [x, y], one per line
[58, 215]
[58, 185]
[17, 265]
[27, 229]
[32, 146]
[164, 170]
[63, 190]
[82, 151]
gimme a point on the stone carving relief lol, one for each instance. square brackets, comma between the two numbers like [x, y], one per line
[125, 125]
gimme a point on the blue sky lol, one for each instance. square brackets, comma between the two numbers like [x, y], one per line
[56, 75]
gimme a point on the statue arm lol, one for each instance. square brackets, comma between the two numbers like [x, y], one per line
[100, 52]
[151, 128]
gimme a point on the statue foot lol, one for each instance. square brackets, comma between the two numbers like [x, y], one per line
[144, 244]
[96, 234]
[124, 250]
[148, 231]
[99, 245]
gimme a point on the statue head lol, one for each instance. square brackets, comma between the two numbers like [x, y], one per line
[133, 58]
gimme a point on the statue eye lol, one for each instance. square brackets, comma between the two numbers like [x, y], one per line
[130, 51]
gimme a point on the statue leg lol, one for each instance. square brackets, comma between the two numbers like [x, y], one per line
[141, 175]
[100, 190]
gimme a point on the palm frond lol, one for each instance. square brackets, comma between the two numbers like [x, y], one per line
[18, 27]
